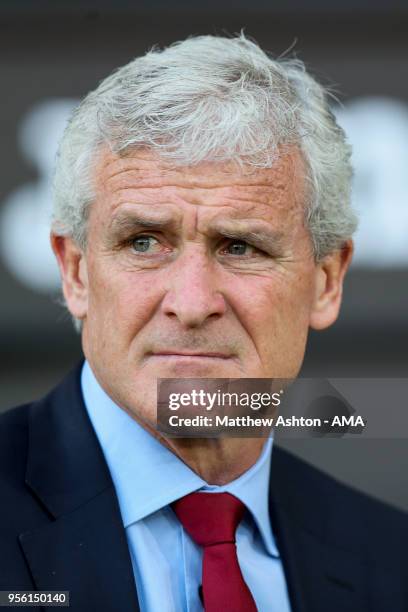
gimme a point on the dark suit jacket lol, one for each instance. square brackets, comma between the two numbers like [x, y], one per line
[61, 529]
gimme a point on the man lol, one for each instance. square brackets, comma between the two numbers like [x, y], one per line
[202, 225]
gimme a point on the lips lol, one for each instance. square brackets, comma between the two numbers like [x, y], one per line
[177, 353]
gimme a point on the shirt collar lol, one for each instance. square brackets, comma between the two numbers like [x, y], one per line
[148, 476]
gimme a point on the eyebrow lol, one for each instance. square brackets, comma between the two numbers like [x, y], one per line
[247, 230]
[125, 222]
[265, 239]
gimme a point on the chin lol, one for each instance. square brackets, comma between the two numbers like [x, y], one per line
[193, 370]
[184, 366]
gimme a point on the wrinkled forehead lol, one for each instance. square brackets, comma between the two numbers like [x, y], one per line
[139, 166]
[142, 175]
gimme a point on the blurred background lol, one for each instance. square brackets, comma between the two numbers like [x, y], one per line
[52, 54]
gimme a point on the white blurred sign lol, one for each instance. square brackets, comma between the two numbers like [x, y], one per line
[26, 212]
[377, 129]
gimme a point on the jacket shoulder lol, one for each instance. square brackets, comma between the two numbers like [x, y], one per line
[15, 425]
[336, 511]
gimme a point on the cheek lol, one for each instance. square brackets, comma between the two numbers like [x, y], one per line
[274, 310]
[271, 298]
[121, 303]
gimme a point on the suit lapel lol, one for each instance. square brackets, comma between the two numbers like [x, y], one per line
[82, 546]
[320, 575]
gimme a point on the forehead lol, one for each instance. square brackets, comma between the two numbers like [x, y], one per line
[142, 177]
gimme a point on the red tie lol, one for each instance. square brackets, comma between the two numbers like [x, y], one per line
[211, 520]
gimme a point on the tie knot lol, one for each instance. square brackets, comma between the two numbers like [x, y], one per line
[209, 518]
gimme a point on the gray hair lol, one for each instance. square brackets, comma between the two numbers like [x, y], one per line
[210, 98]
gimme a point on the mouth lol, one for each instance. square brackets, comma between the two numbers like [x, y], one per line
[180, 355]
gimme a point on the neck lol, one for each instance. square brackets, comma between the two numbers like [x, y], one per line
[218, 461]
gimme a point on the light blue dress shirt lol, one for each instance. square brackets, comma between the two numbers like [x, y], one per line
[148, 477]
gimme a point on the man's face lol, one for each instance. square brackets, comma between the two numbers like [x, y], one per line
[203, 271]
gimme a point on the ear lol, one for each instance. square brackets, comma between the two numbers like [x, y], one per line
[330, 273]
[72, 264]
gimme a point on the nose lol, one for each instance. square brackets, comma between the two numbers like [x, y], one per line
[193, 296]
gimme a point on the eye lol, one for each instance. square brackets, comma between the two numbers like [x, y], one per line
[141, 244]
[238, 247]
